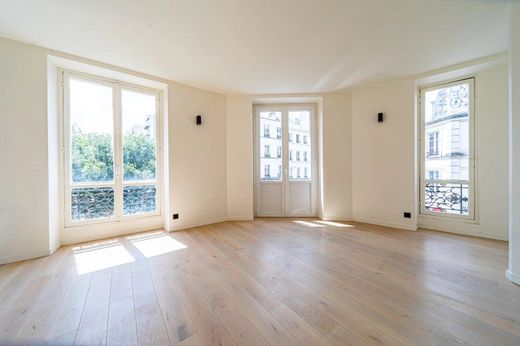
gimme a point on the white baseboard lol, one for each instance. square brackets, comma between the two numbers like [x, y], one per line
[336, 218]
[27, 256]
[55, 247]
[513, 277]
[407, 227]
[463, 232]
[174, 228]
[240, 218]
[211, 221]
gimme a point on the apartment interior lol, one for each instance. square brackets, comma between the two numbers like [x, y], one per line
[238, 172]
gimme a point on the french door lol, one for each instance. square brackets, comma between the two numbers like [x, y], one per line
[111, 150]
[447, 150]
[285, 160]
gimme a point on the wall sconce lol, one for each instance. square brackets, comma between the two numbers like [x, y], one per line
[380, 117]
[198, 119]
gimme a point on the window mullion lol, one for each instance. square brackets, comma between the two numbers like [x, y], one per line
[118, 153]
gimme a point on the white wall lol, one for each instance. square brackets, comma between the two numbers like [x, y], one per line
[383, 156]
[513, 272]
[53, 157]
[368, 169]
[239, 157]
[28, 191]
[383, 178]
[24, 204]
[336, 152]
[197, 156]
[336, 128]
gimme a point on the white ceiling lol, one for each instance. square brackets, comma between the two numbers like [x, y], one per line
[264, 46]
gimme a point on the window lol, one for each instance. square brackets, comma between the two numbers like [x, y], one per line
[434, 175]
[305, 172]
[267, 152]
[111, 158]
[290, 155]
[433, 143]
[266, 131]
[267, 171]
[270, 120]
[447, 178]
[300, 126]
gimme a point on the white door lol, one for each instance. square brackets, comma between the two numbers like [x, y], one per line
[285, 164]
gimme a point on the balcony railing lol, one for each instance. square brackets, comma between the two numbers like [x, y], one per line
[446, 197]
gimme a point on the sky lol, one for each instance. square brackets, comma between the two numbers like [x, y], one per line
[91, 107]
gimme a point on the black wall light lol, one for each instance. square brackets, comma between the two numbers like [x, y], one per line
[198, 119]
[380, 117]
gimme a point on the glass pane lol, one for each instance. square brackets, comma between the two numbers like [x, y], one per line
[92, 203]
[270, 146]
[139, 199]
[91, 126]
[447, 198]
[447, 133]
[139, 136]
[299, 145]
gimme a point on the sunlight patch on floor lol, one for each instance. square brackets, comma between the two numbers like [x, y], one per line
[155, 244]
[307, 223]
[97, 256]
[335, 224]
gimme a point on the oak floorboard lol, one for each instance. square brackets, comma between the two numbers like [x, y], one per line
[276, 281]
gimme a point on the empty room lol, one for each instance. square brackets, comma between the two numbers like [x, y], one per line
[245, 172]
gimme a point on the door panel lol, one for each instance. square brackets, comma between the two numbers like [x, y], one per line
[271, 202]
[285, 165]
[299, 199]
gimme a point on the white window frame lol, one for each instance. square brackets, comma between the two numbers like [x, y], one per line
[286, 178]
[117, 86]
[423, 139]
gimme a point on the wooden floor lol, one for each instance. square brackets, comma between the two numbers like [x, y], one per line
[268, 281]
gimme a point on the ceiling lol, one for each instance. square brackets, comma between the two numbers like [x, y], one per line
[264, 46]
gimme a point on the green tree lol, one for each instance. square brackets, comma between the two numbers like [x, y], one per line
[138, 157]
[92, 157]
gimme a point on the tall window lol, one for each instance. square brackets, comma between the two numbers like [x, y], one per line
[111, 151]
[447, 173]
[299, 126]
[267, 151]
[433, 143]
[267, 171]
[266, 131]
[270, 120]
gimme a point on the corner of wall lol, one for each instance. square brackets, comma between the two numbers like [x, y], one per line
[239, 158]
[53, 155]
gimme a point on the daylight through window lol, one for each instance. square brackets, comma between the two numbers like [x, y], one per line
[111, 150]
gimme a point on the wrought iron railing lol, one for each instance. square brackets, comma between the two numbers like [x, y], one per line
[446, 197]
